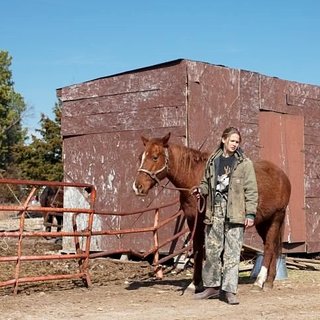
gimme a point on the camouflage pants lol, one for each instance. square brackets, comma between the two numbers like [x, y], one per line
[223, 242]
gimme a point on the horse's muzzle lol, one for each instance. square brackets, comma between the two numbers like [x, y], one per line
[138, 189]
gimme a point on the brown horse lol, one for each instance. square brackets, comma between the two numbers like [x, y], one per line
[184, 167]
[52, 197]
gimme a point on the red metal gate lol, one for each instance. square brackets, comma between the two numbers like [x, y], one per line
[82, 249]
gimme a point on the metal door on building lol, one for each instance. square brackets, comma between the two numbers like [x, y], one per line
[281, 140]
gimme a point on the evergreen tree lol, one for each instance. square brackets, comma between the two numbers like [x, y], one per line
[12, 107]
[39, 160]
[42, 158]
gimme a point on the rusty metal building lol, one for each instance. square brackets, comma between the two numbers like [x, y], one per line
[103, 119]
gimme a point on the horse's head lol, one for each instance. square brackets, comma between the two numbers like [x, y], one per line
[153, 166]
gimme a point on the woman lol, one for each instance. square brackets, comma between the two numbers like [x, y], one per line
[230, 188]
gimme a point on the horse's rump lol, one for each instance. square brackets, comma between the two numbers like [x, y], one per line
[273, 188]
[52, 197]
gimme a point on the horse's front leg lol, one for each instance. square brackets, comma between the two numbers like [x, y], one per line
[190, 209]
[198, 254]
[198, 249]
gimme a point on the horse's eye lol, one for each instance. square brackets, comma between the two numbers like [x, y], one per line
[155, 158]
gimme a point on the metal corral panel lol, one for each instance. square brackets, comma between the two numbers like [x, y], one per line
[103, 119]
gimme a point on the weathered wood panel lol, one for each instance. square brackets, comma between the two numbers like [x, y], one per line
[142, 119]
[137, 81]
[313, 224]
[102, 124]
[128, 102]
[212, 103]
[110, 162]
[145, 100]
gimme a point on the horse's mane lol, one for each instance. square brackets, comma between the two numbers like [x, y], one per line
[188, 158]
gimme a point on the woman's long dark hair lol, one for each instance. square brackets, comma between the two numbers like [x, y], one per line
[228, 132]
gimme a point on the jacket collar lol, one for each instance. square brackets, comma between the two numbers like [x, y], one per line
[238, 154]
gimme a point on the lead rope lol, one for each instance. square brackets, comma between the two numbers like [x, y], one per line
[200, 206]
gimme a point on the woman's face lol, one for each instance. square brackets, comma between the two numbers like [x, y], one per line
[231, 144]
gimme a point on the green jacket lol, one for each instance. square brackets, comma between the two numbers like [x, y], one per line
[243, 190]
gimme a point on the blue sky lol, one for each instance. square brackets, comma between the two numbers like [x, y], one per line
[56, 43]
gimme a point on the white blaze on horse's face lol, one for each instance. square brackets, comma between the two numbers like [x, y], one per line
[135, 182]
[135, 189]
[144, 180]
[143, 158]
[153, 168]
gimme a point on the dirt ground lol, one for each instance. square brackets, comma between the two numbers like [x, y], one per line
[128, 290]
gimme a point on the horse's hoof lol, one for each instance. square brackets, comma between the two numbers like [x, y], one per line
[198, 288]
[267, 286]
[256, 287]
[189, 290]
[192, 288]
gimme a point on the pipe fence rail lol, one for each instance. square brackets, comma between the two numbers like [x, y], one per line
[81, 254]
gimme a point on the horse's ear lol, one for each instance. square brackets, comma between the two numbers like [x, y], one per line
[144, 140]
[165, 140]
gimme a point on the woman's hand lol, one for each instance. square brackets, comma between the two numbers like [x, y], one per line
[196, 191]
[248, 223]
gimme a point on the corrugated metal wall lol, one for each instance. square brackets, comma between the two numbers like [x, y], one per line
[103, 119]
